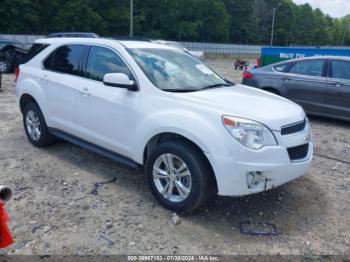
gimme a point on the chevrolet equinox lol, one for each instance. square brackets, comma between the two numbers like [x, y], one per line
[152, 105]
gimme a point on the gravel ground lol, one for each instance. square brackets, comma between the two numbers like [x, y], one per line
[54, 212]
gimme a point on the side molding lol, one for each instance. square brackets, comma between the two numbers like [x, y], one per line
[94, 148]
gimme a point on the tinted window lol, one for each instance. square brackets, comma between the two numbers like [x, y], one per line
[48, 61]
[66, 59]
[341, 70]
[33, 51]
[310, 68]
[103, 61]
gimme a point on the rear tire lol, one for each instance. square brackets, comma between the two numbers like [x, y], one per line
[189, 188]
[35, 126]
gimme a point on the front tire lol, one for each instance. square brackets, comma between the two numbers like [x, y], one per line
[5, 66]
[178, 176]
[35, 126]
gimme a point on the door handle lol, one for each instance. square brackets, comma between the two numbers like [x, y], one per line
[85, 91]
[43, 78]
[338, 84]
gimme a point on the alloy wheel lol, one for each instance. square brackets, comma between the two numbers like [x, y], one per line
[33, 125]
[3, 66]
[172, 177]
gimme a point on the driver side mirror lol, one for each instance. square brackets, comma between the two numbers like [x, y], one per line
[120, 80]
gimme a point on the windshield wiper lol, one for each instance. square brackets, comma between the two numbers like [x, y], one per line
[215, 86]
[180, 90]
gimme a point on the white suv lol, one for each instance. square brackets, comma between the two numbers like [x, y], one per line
[151, 105]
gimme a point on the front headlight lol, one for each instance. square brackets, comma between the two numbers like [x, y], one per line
[249, 133]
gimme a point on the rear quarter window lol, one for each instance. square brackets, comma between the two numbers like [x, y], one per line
[33, 51]
[65, 59]
[280, 68]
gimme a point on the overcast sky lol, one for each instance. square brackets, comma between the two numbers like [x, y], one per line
[335, 8]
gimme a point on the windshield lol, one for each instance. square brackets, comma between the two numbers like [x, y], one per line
[175, 70]
[176, 45]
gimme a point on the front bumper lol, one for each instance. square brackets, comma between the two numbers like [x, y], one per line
[273, 164]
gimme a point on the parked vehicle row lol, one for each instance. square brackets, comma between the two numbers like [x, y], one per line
[153, 105]
[321, 85]
[10, 55]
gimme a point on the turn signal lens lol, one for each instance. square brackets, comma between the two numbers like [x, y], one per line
[229, 122]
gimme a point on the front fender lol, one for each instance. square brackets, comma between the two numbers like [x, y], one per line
[205, 132]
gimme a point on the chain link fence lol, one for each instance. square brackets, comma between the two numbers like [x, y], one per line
[223, 49]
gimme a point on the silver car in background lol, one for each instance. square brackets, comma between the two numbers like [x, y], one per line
[321, 85]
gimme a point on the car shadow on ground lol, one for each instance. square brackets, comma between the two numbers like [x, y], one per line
[290, 207]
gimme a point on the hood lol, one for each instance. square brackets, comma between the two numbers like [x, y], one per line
[246, 102]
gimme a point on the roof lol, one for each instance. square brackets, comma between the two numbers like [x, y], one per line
[308, 47]
[320, 57]
[132, 38]
[73, 34]
[126, 44]
[310, 58]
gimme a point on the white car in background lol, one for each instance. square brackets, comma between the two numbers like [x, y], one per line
[199, 54]
[152, 105]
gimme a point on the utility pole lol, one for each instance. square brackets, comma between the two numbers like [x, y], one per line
[346, 30]
[273, 23]
[131, 18]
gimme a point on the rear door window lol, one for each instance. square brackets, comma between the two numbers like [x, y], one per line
[341, 70]
[33, 51]
[308, 68]
[65, 59]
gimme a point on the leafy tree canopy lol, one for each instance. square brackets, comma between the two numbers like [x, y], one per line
[232, 21]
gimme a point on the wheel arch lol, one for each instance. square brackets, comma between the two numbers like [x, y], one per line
[171, 136]
[273, 90]
[25, 99]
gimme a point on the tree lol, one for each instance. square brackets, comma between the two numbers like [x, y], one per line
[304, 28]
[235, 21]
[243, 20]
[213, 21]
[285, 20]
